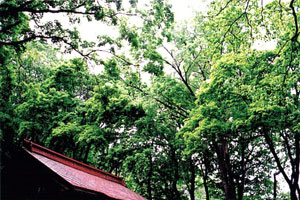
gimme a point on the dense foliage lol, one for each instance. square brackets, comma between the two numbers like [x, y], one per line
[181, 111]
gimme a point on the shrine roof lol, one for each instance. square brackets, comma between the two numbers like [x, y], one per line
[81, 175]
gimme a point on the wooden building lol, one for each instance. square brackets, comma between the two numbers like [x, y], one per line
[40, 173]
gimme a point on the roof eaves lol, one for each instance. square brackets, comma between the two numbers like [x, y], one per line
[33, 147]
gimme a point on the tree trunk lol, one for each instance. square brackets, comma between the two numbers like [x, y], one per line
[205, 176]
[225, 170]
[291, 181]
[275, 186]
[193, 177]
[149, 189]
[87, 153]
[206, 187]
[241, 182]
[293, 192]
[176, 174]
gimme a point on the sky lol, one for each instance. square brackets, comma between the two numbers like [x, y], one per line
[183, 9]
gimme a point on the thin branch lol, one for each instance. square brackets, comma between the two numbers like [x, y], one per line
[277, 160]
[295, 37]
[169, 101]
[18, 42]
[262, 10]
[5, 29]
[159, 101]
[221, 10]
[57, 11]
[278, 53]
[179, 72]
[251, 28]
[231, 25]
[287, 146]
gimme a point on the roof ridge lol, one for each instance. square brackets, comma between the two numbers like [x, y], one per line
[53, 155]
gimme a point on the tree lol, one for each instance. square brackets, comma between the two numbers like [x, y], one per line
[213, 96]
[44, 105]
[17, 14]
[220, 125]
[23, 22]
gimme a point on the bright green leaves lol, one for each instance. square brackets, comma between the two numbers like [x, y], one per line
[223, 98]
[246, 97]
[73, 77]
[112, 70]
[236, 30]
[45, 105]
[160, 15]
[42, 111]
[145, 40]
[155, 63]
[129, 34]
[222, 117]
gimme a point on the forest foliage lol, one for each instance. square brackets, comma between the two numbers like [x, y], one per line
[218, 118]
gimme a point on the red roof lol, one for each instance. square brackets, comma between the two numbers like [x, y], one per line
[80, 175]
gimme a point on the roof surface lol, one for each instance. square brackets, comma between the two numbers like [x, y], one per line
[80, 175]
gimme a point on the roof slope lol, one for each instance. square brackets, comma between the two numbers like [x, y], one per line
[80, 175]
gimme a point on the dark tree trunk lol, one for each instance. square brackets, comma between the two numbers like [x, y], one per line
[87, 153]
[294, 186]
[193, 177]
[293, 193]
[241, 183]
[176, 174]
[296, 173]
[225, 170]
[149, 189]
[275, 186]
[206, 187]
[205, 176]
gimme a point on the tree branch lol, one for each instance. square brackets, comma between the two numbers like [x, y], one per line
[295, 37]
[277, 160]
[179, 72]
[221, 10]
[171, 107]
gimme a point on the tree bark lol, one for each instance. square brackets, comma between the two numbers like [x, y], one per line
[193, 177]
[149, 189]
[176, 175]
[275, 186]
[291, 181]
[225, 170]
[206, 186]
[205, 176]
[241, 182]
[87, 152]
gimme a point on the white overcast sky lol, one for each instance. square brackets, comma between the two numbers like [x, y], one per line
[183, 10]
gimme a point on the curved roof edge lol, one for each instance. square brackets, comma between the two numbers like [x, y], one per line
[33, 147]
